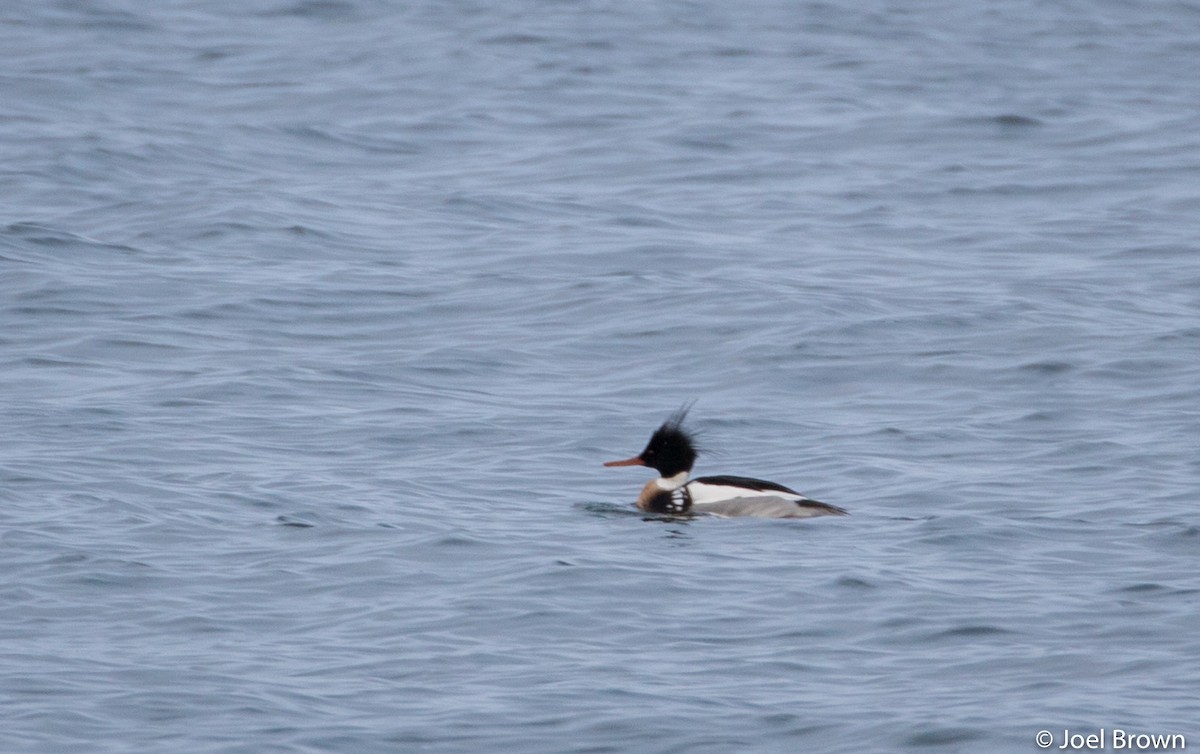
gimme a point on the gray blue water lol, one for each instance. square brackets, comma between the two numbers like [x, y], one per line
[318, 318]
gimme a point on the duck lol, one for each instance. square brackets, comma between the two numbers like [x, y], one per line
[672, 452]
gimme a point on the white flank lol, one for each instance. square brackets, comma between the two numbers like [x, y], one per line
[759, 507]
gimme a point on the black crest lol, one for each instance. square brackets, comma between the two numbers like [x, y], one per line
[672, 448]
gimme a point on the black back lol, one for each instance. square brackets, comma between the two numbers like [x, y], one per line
[757, 485]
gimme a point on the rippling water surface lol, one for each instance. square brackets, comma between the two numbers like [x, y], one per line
[318, 319]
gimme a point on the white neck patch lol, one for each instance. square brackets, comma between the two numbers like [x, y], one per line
[670, 483]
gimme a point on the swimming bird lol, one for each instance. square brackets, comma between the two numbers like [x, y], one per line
[672, 453]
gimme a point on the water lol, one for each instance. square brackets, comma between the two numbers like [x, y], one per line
[320, 317]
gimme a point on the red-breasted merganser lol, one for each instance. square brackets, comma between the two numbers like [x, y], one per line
[672, 453]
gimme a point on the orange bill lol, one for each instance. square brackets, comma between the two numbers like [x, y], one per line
[635, 461]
